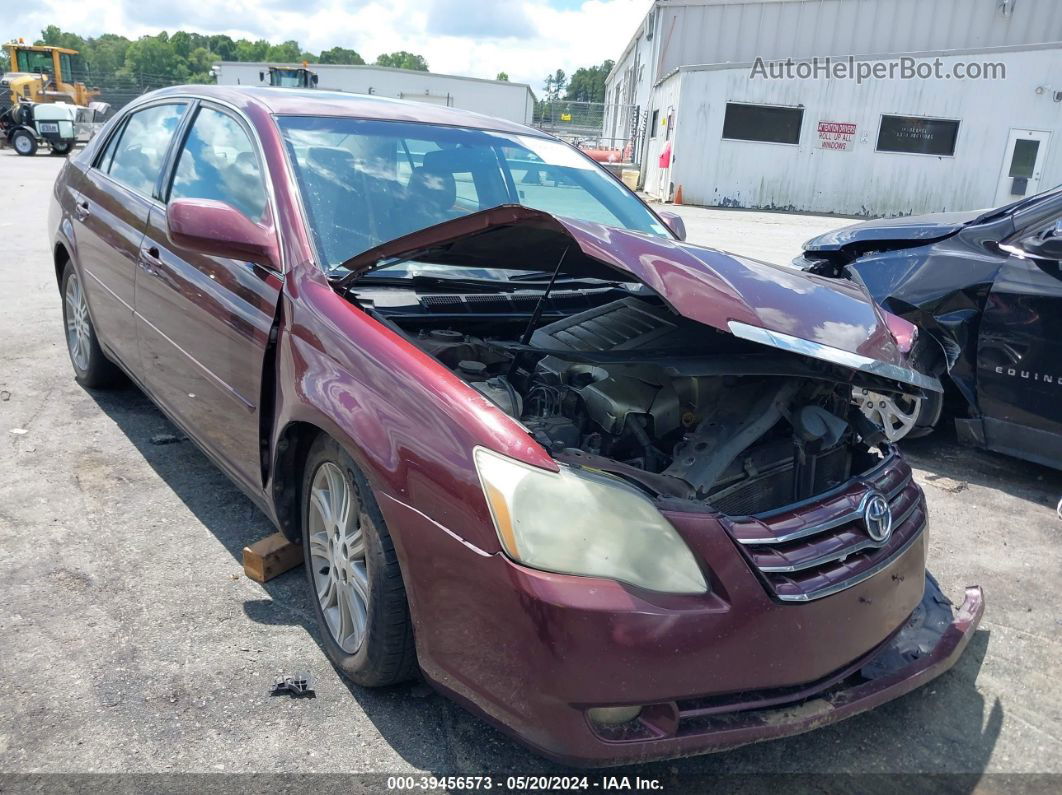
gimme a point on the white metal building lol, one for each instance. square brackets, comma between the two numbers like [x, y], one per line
[512, 101]
[686, 71]
[883, 147]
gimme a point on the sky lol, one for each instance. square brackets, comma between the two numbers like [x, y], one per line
[527, 39]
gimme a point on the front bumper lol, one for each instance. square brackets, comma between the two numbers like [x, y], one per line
[532, 651]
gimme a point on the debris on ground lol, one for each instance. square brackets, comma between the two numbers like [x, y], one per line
[297, 686]
[167, 438]
[19, 431]
[947, 484]
[5, 395]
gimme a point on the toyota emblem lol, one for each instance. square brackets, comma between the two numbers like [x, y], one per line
[877, 516]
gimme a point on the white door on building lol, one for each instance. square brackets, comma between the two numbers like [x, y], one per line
[1022, 165]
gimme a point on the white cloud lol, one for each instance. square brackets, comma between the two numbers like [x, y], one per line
[528, 39]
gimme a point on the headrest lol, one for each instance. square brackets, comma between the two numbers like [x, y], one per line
[436, 188]
[339, 162]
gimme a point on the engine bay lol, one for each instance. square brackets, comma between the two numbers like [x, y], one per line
[675, 407]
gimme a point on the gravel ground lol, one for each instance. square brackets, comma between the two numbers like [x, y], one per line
[131, 641]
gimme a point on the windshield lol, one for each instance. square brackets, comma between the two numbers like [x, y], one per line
[368, 182]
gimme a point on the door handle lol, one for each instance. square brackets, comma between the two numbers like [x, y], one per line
[150, 260]
[81, 209]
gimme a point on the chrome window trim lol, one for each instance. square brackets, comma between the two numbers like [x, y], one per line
[827, 353]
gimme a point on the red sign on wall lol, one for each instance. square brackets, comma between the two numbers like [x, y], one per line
[836, 135]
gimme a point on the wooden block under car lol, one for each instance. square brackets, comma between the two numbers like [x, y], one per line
[263, 560]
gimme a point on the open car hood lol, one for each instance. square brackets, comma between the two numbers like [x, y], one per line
[825, 319]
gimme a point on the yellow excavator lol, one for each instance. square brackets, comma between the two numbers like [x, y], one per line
[39, 101]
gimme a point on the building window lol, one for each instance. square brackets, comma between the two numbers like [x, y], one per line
[654, 124]
[917, 135]
[769, 123]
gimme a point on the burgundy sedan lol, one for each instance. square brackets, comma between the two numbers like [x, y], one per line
[603, 487]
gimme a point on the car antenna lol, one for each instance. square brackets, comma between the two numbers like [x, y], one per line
[536, 313]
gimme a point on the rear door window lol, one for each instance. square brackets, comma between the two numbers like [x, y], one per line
[218, 161]
[141, 148]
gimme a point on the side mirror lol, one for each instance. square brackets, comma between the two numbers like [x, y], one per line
[1046, 245]
[220, 230]
[674, 223]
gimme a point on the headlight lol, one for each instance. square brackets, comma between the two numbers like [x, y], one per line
[577, 522]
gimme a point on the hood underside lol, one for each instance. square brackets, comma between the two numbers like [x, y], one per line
[775, 306]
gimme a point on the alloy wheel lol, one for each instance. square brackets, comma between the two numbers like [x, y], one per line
[78, 330]
[897, 415]
[337, 555]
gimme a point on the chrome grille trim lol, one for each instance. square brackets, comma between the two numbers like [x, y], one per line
[832, 524]
[847, 552]
[858, 578]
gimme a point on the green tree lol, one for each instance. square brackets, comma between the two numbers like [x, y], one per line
[587, 84]
[52, 36]
[403, 60]
[503, 76]
[155, 57]
[341, 55]
[224, 46]
[288, 52]
[252, 50]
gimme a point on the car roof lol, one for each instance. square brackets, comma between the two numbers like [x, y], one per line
[315, 102]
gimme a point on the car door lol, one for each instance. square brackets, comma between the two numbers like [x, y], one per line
[204, 322]
[1020, 354]
[113, 200]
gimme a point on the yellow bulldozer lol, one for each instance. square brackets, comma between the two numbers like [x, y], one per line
[41, 104]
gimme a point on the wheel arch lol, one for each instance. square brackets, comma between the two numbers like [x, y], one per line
[293, 443]
[60, 257]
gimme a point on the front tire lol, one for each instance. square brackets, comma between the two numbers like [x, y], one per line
[358, 594]
[24, 143]
[91, 368]
[62, 147]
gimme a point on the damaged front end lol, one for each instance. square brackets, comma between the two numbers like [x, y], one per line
[716, 492]
[689, 373]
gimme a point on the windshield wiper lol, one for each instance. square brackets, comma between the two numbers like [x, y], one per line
[458, 285]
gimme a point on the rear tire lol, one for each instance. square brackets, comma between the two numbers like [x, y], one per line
[24, 143]
[62, 148]
[91, 368]
[359, 597]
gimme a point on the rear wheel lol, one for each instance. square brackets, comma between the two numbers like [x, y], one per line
[62, 147]
[351, 565]
[24, 143]
[91, 368]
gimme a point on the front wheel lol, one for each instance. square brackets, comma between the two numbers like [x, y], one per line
[62, 147]
[351, 565]
[900, 416]
[24, 143]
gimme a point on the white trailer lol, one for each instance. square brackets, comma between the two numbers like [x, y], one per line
[511, 101]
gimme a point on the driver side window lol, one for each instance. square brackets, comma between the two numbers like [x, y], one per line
[218, 162]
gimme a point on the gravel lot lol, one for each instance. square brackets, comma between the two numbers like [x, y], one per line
[131, 641]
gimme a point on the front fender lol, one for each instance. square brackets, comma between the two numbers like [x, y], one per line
[408, 422]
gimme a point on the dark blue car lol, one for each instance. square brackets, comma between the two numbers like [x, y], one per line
[985, 290]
